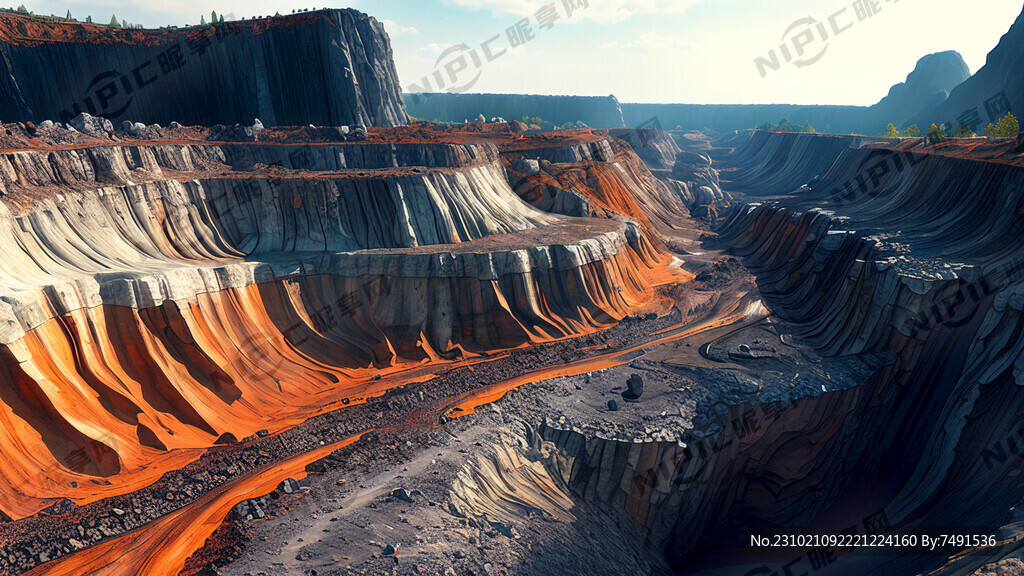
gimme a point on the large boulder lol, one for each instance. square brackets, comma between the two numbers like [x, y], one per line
[634, 388]
[92, 125]
[692, 159]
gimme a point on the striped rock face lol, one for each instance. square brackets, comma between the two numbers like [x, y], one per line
[162, 298]
[189, 324]
[157, 304]
[909, 251]
[328, 67]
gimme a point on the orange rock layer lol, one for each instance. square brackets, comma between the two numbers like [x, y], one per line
[163, 546]
[101, 401]
[157, 316]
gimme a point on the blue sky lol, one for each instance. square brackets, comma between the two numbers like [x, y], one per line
[700, 51]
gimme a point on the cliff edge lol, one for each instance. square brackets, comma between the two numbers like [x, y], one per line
[329, 67]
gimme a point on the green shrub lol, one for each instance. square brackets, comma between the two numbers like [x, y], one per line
[936, 133]
[1007, 127]
[962, 131]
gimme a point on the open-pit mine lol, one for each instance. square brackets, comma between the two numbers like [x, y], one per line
[264, 322]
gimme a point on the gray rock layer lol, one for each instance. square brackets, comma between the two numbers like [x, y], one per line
[332, 67]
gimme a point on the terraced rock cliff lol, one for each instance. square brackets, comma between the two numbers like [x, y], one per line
[875, 256]
[407, 253]
[176, 294]
[868, 253]
[193, 319]
[328, 67]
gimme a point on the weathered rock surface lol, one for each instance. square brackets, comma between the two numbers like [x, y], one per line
[329, 67]
[599, 178]
[766, 164]
[343, 258]
[875, 257]
[655, 147]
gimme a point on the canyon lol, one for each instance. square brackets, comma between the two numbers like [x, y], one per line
[279, 326]
[249, 313]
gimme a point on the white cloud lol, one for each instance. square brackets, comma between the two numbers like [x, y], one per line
[395, 29]
[647, 42]
[435, 48]
[603, 11]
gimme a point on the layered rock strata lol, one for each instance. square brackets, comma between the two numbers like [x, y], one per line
[327, 67]
[877, 257]
[172, 294]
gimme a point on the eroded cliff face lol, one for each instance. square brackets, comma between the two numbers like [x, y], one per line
[845, 352]
[329, 67]
[654, 146]
[161, 304]
[873, 258]
[762, 164]
[605, 178]
[871, 255]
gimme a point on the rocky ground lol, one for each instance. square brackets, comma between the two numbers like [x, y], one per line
[464, 499]
[397, 517]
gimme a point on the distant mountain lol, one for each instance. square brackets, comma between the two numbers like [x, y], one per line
[925, 87]
[995, 89]
[934, 76]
